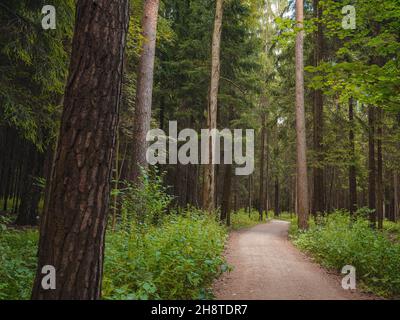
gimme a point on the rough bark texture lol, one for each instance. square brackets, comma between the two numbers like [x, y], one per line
[73, 226]
[352, 166]
[144, 90]
[371, 166]
[302, 183]
[209, 171]
[318, 205]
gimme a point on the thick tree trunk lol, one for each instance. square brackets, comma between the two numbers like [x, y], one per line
[371, 166]
[379, 177]
[209, 170]
[144, 90]
[318, 205]
[261, 197]
[352, 166]
[73, 226]
[302, 183]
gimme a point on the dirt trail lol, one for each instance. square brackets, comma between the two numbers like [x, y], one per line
[267, 266]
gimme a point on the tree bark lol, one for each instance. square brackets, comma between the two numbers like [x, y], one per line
[261, 197]
[302, 183]
[318, 204]
[277, 198]
[249, 198]
[226, 193]
[209, 170]
[144, 90]
[352, 166]
[28, 210]
[396, 196]
[73, 226]
[371, 166]
[379, 177]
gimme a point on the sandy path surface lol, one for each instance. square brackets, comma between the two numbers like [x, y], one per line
[267, 266]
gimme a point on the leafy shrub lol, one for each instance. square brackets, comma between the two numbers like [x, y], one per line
[338, 241]
[17, 263]
[242, 219]
[177, 260]
[145, 203]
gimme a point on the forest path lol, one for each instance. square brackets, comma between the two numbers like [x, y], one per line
[268, 267]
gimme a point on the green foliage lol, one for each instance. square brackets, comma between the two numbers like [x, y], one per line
[242, 219]
[145, 203]
[17, 263]
[33, 69]
[337, 241]
[177, 260]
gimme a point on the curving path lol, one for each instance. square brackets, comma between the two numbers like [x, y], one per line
[267, 266]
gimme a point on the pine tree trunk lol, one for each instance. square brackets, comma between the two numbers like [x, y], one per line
[318, 205]
[261, 197]
[302, 183]
[379, 177]
[396, 178]
[28, 210]
[73, 226]
[144, 89]
[249, 198]
[277, 198]
[352, 166]
[371, 166]
[396, 190]
[226, 193]
[209, 170]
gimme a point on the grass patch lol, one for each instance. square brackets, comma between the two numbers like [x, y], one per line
[242, 219]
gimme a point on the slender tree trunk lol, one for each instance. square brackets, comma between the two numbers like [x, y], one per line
[277, 198]
[144, 90]
[371, 166]
[261, 196]
[352, 166]
[249, 198]
[226, 193]
[318, 203]
[28, 210]
[73, 226]
[209, 170]
[379, 177]
[266, 179]
[116, 181]
[302, 183]
[396, 196]
[396, 178]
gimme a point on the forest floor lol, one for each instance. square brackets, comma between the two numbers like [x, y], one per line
[266, 266]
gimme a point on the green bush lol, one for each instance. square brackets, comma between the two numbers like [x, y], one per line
[17, 263]
[145, 203]
[337, 241]
[242, 219]
[177, 260]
